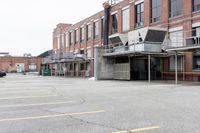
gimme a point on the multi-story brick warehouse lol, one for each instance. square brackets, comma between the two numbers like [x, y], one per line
[20, 64]
[130, 30]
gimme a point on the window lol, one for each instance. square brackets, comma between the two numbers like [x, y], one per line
[82, 34]
[114, 24]
[176, 8]
[71, 38]
[88, 29]
[96, 30]
[172, 63]
[67, 39]
[71, 66]
[58, 42]
[126, 20]
[196, 61]
[196, 35]
[62, 40]
[88, 66]
[140, 15]
[102, 27]
[155, 10]
[82, 67]
[196, 5]
[196, 32]
[176, 38]
[81, 51]
[89, 53]
[76, 36]
[32, 67]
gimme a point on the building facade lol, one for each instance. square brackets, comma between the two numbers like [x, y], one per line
[20, 64]
[75, 44]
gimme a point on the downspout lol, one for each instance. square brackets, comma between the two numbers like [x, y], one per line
[106, 6]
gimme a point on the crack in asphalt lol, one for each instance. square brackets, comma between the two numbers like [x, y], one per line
[82, 101]
[93, 123]
[84, 121]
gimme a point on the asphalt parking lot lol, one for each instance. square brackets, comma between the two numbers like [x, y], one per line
[34, 104]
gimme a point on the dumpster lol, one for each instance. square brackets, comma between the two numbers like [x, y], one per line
[45, 72]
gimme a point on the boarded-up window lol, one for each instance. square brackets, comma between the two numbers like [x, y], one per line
[176, 38]
[126, 20]
[89, 53]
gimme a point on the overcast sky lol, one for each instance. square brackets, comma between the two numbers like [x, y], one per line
[26, 25]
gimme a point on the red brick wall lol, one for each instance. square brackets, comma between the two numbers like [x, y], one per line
[8, 63]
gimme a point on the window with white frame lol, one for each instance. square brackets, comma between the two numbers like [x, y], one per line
[176, 38]
[126, 20]
[96, 29]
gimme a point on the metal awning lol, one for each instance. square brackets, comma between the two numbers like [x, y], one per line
[134, 53]
[184, 49]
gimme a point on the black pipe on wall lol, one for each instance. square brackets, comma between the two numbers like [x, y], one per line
[106, 24]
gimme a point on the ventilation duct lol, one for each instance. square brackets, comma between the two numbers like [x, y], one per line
[119, 39]
[147, 39]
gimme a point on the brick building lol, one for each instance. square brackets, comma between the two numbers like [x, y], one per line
[119, 28]
[20, 64]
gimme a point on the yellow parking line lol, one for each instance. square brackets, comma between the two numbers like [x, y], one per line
[50, 116]
[139, 129]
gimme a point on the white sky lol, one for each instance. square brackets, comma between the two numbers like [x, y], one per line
[26, 26]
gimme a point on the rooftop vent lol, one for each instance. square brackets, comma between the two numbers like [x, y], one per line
[117, 39]
[149, 34]
[147, 39]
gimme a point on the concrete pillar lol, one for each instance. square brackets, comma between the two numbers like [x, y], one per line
[176, 68]
[149, 68]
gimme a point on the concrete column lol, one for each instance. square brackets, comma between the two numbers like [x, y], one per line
[176, 68]
[149, 68]
[96, 64]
